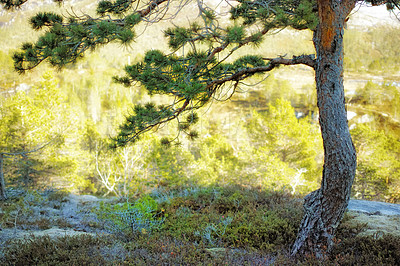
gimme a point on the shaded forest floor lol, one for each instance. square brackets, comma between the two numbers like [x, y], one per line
[188, 226]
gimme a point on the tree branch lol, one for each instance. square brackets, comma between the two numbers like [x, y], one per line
[348, 6]
[308, 60]
[152, 5]
[135, 134]
[273, 62]
[5, 154]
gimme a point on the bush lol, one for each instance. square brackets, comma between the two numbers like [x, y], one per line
[130, 219]
[234, 217]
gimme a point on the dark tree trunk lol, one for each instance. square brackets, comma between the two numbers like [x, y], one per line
[325, 207]
[3, 195]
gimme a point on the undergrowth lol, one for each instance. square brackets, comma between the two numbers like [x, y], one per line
[192, 226]
[22, 209]
[129, 219]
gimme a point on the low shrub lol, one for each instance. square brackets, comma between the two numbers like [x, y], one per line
[234, 217]
[68, 250]
[368, 250]
[211, 226]
[130, 219]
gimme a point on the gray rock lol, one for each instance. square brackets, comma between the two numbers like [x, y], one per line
[374, 207]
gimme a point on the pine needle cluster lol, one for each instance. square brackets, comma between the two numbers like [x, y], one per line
[276, 14]
[64, 41]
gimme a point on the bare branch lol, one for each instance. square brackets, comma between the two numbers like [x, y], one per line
[308, 60]
[152, 5]
[23, 153]
[348, 6]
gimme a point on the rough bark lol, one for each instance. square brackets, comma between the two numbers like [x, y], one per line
[3, 195]
[325, 207]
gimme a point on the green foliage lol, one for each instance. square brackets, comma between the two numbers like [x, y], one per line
[193, 78]
[32, 119]
[169, 165]
[214, 232]
[283, 145]
[248, 61]
[178, 36]
[65, 42]
[216, 161]
[45, 19]
[216, 217]
[117, 7]
[377, 173]
[277, 14]
[10, 4]
[130, 219]
[235, 34]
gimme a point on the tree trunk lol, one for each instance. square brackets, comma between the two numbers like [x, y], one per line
[3, 195]
[325, 207]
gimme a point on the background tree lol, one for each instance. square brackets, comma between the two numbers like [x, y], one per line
[378, 167]
[202, 62]
[35, 123]
[279, 138]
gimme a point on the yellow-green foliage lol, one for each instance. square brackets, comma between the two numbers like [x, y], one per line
[283, 144]
[378, 174]
[363, 50]
[230, 155]
[36, 117]
[169, 165]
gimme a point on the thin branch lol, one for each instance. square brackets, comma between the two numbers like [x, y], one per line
[152, 5]
[23, 153]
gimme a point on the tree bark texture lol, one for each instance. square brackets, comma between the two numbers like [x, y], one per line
[3, 195]
[325, 207]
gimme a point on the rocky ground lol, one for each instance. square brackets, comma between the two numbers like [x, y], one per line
[379, 217]
[72, 215]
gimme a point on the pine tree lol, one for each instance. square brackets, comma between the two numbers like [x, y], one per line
[195, 77]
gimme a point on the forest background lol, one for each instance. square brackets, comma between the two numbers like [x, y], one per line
[265, 136]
